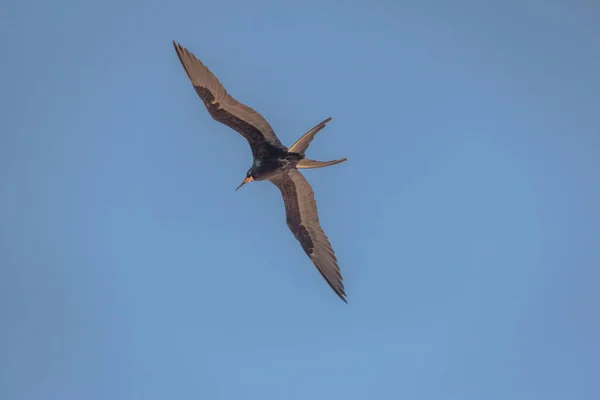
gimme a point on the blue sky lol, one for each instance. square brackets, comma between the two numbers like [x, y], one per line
[466, 220]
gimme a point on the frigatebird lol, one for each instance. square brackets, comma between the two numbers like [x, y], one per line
[273, 162]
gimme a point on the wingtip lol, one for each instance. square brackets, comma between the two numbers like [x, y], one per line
[178, 47]
[341, 294]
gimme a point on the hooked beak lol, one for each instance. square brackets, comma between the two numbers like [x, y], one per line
[248, 179]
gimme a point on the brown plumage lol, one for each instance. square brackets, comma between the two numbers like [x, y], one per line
[274, 162]
[303, 220]
[227, 110]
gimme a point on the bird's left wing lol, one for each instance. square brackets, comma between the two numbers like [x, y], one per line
[303, 220]
[225, 109]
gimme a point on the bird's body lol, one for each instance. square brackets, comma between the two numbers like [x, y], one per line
[274, 162]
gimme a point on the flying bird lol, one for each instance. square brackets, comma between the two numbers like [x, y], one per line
[274, 162]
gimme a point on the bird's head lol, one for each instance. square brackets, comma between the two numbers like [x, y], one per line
[249, 178]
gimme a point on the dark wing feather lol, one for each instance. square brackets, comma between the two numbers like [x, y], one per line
[227, 110]
[303, 221]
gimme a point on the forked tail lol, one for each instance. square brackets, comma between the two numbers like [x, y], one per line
[307, 163]
[302, 144]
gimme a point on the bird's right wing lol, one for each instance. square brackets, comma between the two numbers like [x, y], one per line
[303, 220]
[225, 109]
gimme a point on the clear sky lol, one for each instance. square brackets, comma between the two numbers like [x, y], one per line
[466, 221]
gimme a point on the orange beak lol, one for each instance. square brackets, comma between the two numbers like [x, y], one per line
[248, 179]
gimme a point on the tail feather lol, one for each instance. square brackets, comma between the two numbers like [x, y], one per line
[302, 144]
[306, 163]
